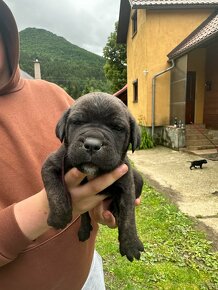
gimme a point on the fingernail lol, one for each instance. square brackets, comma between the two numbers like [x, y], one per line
[123, 168]
[76, 173]
[106, 215]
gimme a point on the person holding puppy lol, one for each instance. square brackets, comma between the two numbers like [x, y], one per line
[32, 254]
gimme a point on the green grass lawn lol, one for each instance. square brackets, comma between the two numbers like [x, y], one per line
[176, 256]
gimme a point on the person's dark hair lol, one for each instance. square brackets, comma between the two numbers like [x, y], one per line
[10, 35]
[3, 34]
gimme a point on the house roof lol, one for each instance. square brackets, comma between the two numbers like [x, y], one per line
[123, 22]
[166, 4]
[126, 5]
[118, 93]
[201, 36]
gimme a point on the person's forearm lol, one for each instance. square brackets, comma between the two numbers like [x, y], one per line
[31, 215]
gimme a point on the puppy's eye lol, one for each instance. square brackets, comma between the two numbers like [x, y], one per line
[117, 128]
[77, 122]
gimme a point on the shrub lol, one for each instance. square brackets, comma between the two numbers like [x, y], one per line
[146, 139]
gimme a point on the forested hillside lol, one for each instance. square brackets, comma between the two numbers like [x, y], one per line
[68, 65]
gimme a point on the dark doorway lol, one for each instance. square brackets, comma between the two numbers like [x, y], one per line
[190, 97]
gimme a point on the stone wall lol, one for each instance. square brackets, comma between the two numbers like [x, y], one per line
[170, 136]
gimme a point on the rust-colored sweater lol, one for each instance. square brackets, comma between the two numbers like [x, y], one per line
[29, 111]
[57, 260]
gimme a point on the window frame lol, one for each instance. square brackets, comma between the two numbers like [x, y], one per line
[135, 91]
[134, 22]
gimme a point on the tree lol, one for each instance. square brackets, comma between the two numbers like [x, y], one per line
[115, 68]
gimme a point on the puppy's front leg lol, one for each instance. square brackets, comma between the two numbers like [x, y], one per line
[58, 197]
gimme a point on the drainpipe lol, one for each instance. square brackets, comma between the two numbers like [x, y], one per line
[154, 93]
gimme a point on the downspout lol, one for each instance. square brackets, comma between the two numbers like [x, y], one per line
[154, 93]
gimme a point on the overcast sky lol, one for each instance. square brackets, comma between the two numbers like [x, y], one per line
[86, 23]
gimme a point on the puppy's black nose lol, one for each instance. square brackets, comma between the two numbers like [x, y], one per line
[92, 144]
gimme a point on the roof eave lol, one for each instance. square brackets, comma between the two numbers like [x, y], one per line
[188, 50]
[123, 22]
[175, 6]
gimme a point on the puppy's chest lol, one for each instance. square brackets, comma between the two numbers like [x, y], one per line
[113, 190]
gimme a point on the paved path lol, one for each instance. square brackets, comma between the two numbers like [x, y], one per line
[194, 191]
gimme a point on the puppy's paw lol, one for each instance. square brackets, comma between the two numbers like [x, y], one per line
[59, 220]
[84, 232]
[131, 248]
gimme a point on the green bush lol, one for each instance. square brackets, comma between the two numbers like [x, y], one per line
[146, 139]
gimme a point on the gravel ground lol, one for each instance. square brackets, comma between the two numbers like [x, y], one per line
[194, 191]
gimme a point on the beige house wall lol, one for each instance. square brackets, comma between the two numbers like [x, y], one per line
[137, 64]
[157, 34]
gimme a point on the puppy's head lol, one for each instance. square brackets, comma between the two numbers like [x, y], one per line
[204, 161]
[97, 131]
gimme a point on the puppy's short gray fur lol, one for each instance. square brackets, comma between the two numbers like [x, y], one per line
[96, 132]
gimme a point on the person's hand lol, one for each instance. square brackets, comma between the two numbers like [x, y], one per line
[102, 214]
[85, 197]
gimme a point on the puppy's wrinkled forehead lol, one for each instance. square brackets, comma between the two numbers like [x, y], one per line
[101, 106]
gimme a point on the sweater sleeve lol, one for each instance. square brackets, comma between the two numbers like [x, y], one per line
[12, 239]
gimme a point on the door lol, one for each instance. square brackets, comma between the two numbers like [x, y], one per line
[190, 97]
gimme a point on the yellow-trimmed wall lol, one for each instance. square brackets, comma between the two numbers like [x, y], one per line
[158, 32]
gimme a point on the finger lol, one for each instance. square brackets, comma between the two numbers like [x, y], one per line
[138, 201]
[109, 219]
[94, 200]
[104, 217]
[74, 177]
[100, 183]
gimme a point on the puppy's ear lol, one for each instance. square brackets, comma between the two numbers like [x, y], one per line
[61, 125]
[135, 134]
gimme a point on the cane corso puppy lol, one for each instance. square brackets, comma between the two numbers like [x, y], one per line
[198, 163]
[96, 133]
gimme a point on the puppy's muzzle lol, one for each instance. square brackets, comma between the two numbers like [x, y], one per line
[92, 145]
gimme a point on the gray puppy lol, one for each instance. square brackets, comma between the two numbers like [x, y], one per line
[96, 132]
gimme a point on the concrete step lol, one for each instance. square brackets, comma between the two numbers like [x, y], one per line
[191, 126]
[205, 152]
[195, 131]
[215, 141]
[199, 136]
[200, 147]
[214, 133]
[199, 142]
